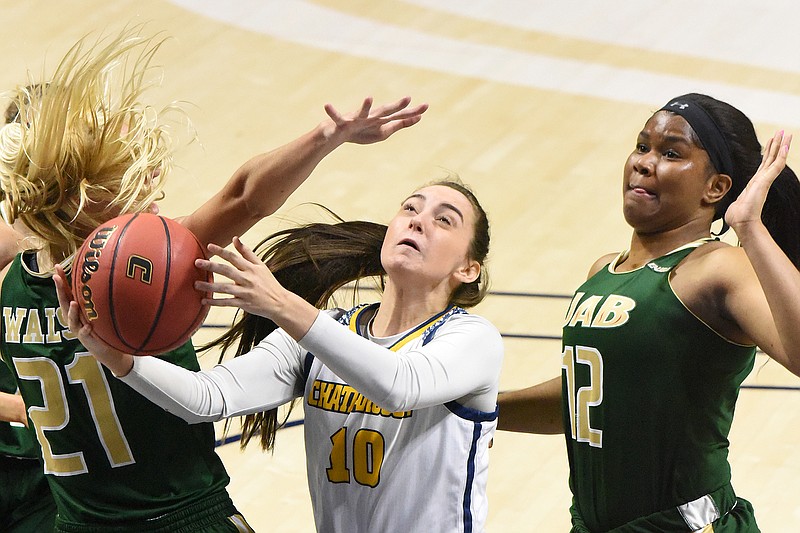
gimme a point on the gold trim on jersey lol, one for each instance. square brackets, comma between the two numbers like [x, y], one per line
[356, 326]
[622, 256]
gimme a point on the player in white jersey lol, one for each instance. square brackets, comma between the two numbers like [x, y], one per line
[399, 397]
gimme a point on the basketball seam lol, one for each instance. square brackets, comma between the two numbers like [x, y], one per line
[165, 287]
[111, 307]
[195, 324]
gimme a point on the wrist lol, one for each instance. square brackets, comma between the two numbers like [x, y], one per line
[295, 316]
[124, 365]
[749, 231]
[120, 364]
[328, 134]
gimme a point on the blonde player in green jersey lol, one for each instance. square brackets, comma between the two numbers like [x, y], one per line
[658, 340]
[85, 150]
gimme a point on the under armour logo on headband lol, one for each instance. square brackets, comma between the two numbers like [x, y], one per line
[680, 105]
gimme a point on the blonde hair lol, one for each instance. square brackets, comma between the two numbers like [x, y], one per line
[82, 147]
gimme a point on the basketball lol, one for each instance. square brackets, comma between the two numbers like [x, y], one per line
[133, 278]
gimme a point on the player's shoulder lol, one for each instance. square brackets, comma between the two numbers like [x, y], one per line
[471, 322]
[716, 258]
[602, 262]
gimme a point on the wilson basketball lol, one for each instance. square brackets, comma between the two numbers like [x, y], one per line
[134, 280]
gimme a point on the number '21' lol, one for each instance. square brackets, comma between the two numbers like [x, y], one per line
[579, 401]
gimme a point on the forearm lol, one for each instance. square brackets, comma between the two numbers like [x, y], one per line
[260, 186]
[535, 409]
[12, 408]
[266, 377]
[461, 362]
[780, 281]
[176, 390]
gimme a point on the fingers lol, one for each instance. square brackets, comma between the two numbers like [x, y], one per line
[239, 260]
[387, 112]
[224, 269]
[778, 147]
[340, 120]
[392, 108]
[335, 116]
[787, 144]
[247, 254]
[414, 112]
[223, 302]
[366, 105]
[75, 319]
[775, 153]
[70, 309]
[395, 126]
[62, 291]
[395, 112]
[242, 269]
[231, 256]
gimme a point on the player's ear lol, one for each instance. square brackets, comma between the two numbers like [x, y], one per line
[469, 271]
[717, 186]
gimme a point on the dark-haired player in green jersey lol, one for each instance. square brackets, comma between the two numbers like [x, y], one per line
[658, 340]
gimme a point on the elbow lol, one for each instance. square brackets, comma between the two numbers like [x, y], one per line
[249, 201]
[394, 402]
[195, 418]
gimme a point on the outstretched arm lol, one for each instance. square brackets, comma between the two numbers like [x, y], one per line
[461, 363]
[260, 186]
[269, 376]
[535, 409]
[773, 284]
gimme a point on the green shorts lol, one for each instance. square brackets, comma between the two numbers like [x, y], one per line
[739, 518]
[212, 514]
[26, 503]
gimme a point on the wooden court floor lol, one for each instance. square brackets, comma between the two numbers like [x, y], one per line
[535, 104]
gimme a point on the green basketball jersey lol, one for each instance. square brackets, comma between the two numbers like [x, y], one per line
[109, 454]
[649, 393]
[15, 439]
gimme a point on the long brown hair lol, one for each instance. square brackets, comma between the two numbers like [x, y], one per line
[313, 261]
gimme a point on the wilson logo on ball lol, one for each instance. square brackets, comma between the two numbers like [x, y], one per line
[90, 264]
[134, 277]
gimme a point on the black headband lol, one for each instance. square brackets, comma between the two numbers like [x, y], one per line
[707, 131]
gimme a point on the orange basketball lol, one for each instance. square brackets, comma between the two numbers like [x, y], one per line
[134, 280]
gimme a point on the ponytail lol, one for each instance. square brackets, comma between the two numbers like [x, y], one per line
[781, 215]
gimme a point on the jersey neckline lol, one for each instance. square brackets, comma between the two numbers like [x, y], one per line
[625, 254]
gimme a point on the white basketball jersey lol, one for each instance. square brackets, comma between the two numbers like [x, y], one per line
[375, 471]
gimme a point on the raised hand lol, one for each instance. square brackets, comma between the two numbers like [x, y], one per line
[747, 207]
[252, 286]
[368, 125]
[255, 290]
